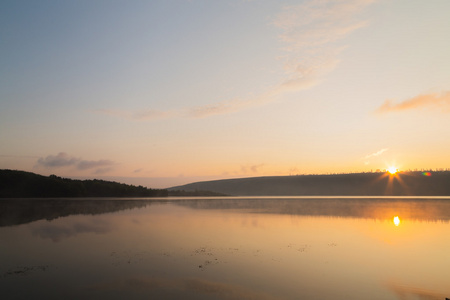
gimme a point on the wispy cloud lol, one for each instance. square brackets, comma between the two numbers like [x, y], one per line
[310, 33]
[440, 101]
[376, 153]
[63, 159]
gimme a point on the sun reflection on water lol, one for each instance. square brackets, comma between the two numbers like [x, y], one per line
[396, 221]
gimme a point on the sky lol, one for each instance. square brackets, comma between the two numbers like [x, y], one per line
[168, 92]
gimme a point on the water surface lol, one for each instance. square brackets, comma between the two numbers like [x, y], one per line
[225, 248]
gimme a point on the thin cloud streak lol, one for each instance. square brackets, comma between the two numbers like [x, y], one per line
[376, 153]
[142, 115]
[230, 106]
[198, 112]
[310, 32]
[439, 101]
[91, 164]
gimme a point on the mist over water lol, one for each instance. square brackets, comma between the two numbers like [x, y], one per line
[225, 248]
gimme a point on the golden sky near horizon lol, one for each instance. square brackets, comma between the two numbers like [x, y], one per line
[178, 91]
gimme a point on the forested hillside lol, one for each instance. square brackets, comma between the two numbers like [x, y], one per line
[20, 184]
[358, 184]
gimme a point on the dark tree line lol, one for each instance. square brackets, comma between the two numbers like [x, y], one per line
[20, 184]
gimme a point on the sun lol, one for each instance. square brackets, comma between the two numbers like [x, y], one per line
[392, 170]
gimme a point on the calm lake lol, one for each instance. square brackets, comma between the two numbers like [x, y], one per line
[225, 248]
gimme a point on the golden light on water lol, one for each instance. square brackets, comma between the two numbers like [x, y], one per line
[396, 221]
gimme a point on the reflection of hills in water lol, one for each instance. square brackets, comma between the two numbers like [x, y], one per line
[368, 208]
[21, 211]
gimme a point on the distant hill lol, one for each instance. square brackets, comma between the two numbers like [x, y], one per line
[358, 184]
[20, 184]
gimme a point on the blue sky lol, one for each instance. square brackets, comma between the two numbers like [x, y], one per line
[168, 92]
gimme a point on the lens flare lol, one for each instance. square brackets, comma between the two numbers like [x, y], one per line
[426, 174]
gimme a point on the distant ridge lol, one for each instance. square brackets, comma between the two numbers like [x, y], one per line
[357, 184]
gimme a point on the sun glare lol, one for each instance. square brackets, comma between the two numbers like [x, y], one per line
[396, 220]
[392, 170]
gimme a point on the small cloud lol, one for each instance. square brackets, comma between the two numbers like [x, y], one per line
[439, 101]
[62, 159]
[137, 171]
[91, 164]
[250, 168]
[255, 168]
